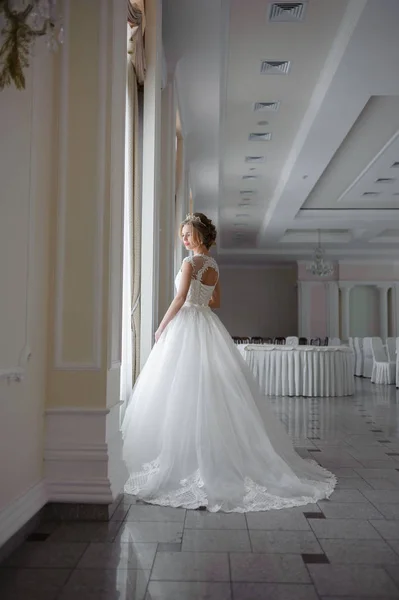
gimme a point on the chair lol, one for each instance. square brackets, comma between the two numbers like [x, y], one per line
[292, 340]
[303, 341]
[397, 362]
[315, 342]
[358, 348]
[367, 357]
[391, 351]
[381, 372]
[334, 342]
[280, 341]
[256, 340]
[267, 340]
[324, 342]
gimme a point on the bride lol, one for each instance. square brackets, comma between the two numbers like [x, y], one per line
[198, 432]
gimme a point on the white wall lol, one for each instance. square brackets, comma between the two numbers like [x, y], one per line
[364, 311]
[259, 301]
[26, 126]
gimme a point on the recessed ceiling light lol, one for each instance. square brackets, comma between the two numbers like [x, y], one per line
[385, 180]
[252, 169]
[280, 12]
[263, 123]
[254, 159]
[275, 67]
[250, 177]
[260, 137]
[247, 192]
[371, 193]
[266, 106]
[242, 215]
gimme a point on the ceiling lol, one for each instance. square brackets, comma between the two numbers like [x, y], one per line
[290, 112]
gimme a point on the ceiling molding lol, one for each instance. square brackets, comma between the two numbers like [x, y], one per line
[335, 56]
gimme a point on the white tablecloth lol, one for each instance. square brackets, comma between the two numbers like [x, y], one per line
[301, 370]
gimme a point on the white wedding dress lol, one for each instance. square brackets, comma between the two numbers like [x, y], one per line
[198, 431]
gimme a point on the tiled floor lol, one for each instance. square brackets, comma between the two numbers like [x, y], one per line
[347, 547]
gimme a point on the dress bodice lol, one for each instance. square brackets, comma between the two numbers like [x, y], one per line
[199, 293]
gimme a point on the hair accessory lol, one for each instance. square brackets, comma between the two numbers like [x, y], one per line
[193, 218]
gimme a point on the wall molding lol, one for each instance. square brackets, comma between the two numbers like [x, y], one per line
[372, 283]
[14, 516]
[262, 267]
[97, 326]
[16, 373]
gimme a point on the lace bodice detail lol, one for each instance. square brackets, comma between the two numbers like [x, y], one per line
[199, 293]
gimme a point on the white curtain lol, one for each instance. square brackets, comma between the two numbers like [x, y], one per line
[131, 245]
[127, 333]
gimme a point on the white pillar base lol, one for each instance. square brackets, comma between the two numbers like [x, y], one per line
[79, 465]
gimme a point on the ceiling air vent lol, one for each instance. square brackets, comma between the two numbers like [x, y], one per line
[282, 12]
[371, 193]
[260, 137]
[266, 106]
[385, 180]
[275, 67]
[254, 159]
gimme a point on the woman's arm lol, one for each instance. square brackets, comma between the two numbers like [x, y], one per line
[178, 300]
[215, 300]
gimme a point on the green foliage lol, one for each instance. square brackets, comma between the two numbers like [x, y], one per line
[15, 49]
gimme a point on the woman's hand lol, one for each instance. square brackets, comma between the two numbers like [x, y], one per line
[158, 333]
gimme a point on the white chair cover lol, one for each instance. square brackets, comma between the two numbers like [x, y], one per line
[367, 357]
[397, 362]
[334, 342]
[381, 372]
[358, 346]
[292, 340]
[391, 351]
[352, 347]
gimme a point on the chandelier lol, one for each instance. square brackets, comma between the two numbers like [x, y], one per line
[21, 22]
[319, 266]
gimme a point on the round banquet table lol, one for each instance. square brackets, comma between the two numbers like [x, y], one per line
[301, 370]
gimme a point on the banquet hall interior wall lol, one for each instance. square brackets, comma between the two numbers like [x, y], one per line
[259, 301]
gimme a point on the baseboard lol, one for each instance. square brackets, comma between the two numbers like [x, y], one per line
[95, 491]
[16, 515]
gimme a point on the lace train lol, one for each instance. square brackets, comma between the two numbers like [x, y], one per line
[192, 494]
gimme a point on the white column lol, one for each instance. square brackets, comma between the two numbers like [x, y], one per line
[167, 233]
[304, 308]
[181, 200]
[395, 309]
[332, 302]
[345, 310]
[151, 177]
[83, 444]
[383, 292]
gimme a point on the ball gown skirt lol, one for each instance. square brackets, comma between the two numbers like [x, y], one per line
[198, 431]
